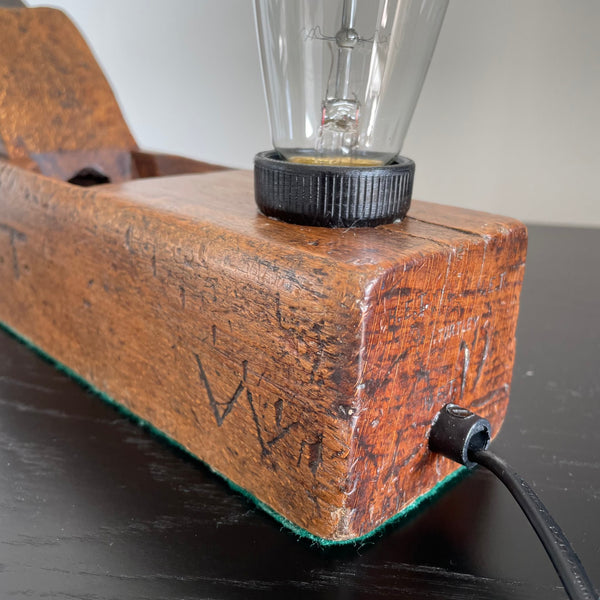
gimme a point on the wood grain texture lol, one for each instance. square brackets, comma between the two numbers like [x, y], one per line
[53, 95]
[304, 364]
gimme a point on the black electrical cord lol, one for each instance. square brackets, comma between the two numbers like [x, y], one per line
[463, 437]
[566, 562]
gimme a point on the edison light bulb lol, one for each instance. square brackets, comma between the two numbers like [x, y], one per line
[342, 78]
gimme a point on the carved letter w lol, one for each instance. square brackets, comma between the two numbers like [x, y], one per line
[229, 404]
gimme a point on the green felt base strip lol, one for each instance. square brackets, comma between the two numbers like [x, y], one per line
[403, 516]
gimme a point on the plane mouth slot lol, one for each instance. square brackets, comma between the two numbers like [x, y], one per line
[89, 176]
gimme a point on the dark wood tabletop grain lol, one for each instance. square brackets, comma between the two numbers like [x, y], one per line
[92, 506]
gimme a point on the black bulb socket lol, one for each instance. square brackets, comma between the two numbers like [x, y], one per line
[332, 195]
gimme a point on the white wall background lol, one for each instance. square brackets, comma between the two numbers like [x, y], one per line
[508, 121]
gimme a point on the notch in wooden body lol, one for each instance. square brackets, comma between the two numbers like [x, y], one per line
[303, 364]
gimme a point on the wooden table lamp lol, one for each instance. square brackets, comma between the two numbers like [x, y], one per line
[304, 364]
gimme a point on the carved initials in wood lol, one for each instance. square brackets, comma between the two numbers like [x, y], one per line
[229, 404]
[221, 413]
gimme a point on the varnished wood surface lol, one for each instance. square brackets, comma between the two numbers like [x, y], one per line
[305, 364]
[94, 507]
[54, 96]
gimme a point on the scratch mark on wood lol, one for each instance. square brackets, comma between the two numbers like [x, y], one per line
[278, 412]
[315, 500]
[465, 368]
[437, 310]
[285, 430]
[260, 379]
[128, 239]
[14, 236]
[302, 445]
[315, 455]
[261, 441]
[484, 357]
[281, 430]
[278, 309]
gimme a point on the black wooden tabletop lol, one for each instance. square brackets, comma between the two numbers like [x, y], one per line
[94, 507]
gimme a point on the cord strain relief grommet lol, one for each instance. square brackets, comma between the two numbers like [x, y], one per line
[456, 432]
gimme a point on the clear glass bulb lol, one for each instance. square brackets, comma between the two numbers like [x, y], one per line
[342, 77]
